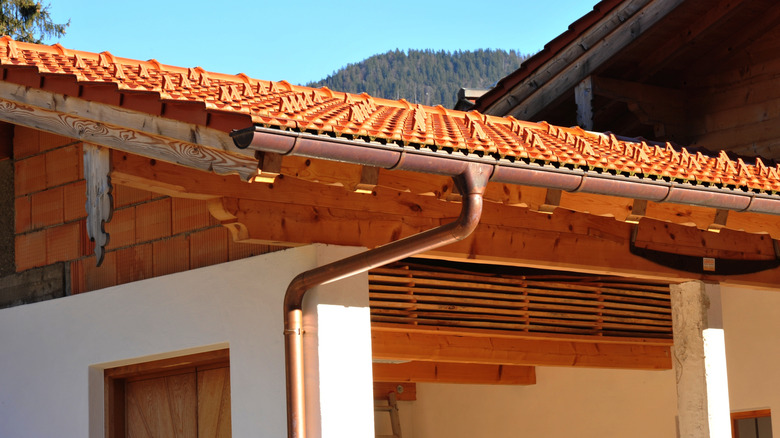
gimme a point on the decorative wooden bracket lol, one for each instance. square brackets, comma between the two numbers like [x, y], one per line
[369, 177]
[551, 201]
[97, 166]
[638, 211]
[269, 166]
[721, 216]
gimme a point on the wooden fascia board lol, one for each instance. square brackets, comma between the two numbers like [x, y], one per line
[116, 128]
[293, 211]
[417, 343]
[445, 372]
[583, 56]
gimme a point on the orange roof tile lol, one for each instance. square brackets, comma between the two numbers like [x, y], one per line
[323, 111]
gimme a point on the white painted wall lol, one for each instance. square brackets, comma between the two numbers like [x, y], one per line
[52, 353]
[597, 402]
[751, 319]
[565, 402]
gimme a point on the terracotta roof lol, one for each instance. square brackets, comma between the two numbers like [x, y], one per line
[322, 111]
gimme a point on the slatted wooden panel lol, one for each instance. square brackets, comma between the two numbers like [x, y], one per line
[418, 294]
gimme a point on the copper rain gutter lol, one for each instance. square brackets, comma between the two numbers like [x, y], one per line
[471, 175]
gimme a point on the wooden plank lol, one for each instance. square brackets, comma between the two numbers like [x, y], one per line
[727, 244]
[117, 137]
[567, 56]
[214, 403]
[657, 104]
[567, 71]
[679, 41]
[443, 372]
[419, 345]
[97, 165]
[133, 120]
[405, 391]
[583, 96]
[517, 325]
[292, 212]
[168, 179]
[455, 331]
[165, 406]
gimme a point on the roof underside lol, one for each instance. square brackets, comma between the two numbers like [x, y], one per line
[228, 102]
[674, 80]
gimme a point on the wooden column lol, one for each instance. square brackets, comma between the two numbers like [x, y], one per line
[583, 95]
[699, 358]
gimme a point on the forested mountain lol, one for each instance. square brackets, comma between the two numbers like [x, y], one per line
[423, 76]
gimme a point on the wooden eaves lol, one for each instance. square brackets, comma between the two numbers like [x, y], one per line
[308, 203]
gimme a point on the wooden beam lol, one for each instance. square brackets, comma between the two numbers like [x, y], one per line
[97, 165]
[417, 343]
[403, 390]
[564, 71]
[293, 212]
[129, 140]
[128, 119]
[444, 372]
[583, 96]
[167, 179]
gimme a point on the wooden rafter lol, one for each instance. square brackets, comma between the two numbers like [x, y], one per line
[444, 372]
[106, 126]
[294, 211]
[573, 65]
[178, 181]
[496, 348]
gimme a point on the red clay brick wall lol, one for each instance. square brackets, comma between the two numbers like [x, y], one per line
[150, 235]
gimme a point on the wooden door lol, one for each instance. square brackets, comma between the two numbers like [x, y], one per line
[162, 407]
[175, 398]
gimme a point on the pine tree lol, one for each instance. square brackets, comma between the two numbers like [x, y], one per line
[28, 20]
[423, 76]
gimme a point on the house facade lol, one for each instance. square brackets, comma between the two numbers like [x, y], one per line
[575, 282]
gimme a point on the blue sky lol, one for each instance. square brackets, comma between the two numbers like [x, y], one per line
[303, 40]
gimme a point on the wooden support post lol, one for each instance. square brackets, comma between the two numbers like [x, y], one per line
[97, 166]
[700, 361]
[583, 95]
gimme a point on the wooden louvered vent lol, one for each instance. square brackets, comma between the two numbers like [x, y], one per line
[422, 294]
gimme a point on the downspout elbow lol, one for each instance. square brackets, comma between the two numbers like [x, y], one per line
[471, 184]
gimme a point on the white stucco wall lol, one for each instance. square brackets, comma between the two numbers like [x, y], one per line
[565, 402]
[751, 319]
[52, 353]
[598, 402]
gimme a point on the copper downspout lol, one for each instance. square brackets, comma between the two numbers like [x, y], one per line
[471, 185]
[471, 175]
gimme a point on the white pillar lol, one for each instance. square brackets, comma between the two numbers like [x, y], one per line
[337, 355]
[700, 361]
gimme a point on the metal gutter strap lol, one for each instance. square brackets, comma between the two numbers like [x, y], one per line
[392, 156]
